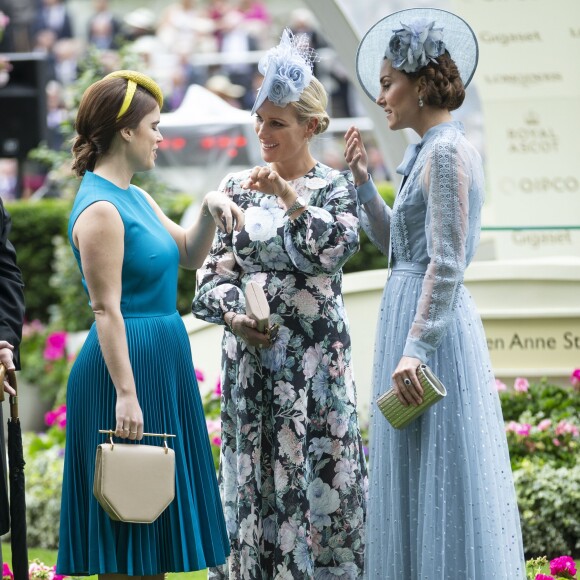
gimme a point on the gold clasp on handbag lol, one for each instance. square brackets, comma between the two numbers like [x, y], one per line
[272, 332]
[110, 433]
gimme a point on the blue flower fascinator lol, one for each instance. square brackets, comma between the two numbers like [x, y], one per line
[415, 45]
[287, 70]
[413, 38]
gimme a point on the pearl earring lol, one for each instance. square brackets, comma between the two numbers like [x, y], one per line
[421, 103]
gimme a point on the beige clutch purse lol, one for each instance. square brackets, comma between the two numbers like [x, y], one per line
[257, 307]
[134, 482]
[400, 416]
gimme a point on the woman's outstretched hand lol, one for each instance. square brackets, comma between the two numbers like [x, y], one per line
[265, 179]
[356, 156]
[226, 214]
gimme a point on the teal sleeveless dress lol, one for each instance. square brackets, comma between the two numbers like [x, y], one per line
[191, 532]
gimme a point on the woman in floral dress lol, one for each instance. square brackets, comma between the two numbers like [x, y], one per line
[292, 476]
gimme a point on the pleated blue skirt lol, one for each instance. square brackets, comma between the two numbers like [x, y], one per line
[442, 503]
[190, 534]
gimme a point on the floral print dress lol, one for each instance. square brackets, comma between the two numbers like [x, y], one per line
[292, 472]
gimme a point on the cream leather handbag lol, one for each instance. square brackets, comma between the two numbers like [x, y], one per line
[134, 482]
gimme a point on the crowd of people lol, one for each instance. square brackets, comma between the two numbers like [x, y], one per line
[214, 43]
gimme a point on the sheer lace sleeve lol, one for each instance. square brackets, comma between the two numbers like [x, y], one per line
[218, 280]
[322, 239]
[375, 216]
[446, 188]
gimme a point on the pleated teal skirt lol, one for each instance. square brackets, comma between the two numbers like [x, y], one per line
[191, 532]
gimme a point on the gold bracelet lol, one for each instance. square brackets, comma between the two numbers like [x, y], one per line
[231, 324]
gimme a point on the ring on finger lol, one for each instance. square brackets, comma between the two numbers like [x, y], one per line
[407, 382]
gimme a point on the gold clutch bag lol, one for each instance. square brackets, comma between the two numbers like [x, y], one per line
[400, 416]
[134, 482]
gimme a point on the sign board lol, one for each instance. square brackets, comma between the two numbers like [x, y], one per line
[529, 87]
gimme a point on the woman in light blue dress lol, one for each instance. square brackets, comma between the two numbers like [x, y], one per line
[442, 503]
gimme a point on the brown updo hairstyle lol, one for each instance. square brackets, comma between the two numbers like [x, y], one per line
[96, 122]
[312, 105]
[445, 88]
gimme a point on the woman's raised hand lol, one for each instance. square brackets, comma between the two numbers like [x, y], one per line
[356, 156]
[265, 179]
[226, 214]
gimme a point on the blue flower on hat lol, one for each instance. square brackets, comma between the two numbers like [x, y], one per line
[287, 70]
[415, 45]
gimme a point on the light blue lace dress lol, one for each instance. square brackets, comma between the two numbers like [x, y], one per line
[442, 503]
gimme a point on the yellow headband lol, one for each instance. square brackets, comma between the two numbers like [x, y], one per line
[131, 88]
[135, 78]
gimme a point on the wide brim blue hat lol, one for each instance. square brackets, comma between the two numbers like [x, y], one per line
[458, 37]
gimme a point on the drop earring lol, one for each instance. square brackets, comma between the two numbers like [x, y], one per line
[421, 103]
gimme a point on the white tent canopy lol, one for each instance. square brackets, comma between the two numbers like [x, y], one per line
[202, 107]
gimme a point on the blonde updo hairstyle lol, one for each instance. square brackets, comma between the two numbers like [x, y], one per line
[312, 105]
[97, 124]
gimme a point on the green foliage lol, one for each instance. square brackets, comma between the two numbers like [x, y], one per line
[542, 400]
[72, 311]
[535, 566]
[542, 423]
[45, 361]
[49, 558]
[549, 503]
[212, 412]
[44, 469]
[369, 257]
[34, 225]
[552, 445]
[543, 438]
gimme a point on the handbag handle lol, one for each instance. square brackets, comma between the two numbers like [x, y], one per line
[110, 433]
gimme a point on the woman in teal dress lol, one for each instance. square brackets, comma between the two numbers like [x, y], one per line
[134, 371]
[442, 503]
